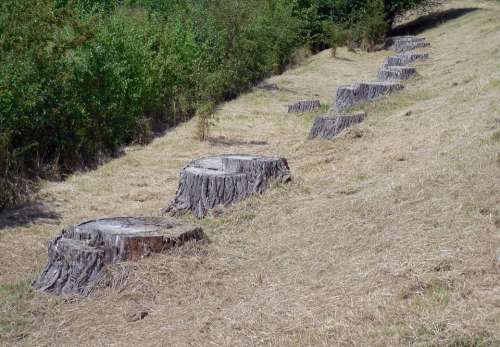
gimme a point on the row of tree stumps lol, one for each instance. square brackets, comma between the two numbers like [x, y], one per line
[80, 255]
[395, 69]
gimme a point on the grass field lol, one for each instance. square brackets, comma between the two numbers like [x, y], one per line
[389, 235]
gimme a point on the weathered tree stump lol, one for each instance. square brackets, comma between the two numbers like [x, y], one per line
[79, 254]
[404, 59]
[329, 127]
[304, 106]
[406, 43]
[396, 73]
[222, 180]
[348, 96]
[391, 41]
[409, 46]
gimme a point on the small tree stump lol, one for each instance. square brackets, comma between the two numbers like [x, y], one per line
[329, 127]
[304, 106]
[406, 43]
[348, 96]
[390, 41]
[404, 59]
[222, 180]
[409, 46]
[80, 253]
[396, 73]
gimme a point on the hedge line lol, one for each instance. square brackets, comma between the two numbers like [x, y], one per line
[79, 79]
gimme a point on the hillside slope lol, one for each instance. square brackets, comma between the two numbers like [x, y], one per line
[389, 235]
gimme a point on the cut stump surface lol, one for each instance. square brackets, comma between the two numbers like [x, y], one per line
[222, 180]
[79, 253]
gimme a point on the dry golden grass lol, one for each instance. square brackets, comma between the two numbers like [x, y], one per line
[388, 235]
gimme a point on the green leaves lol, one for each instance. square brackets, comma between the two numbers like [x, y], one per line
[81, 78]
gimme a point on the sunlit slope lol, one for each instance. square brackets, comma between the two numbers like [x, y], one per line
[388, 235]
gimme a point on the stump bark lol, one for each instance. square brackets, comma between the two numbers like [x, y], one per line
[329, 127]
[348, 96]
[304, 106]
[222, 180]
[396, 73]
[391, 41]
[409, 46]
[405, 59]
[79, 254]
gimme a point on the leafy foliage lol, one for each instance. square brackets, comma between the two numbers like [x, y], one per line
[81, 78]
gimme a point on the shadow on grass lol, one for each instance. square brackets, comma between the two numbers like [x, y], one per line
[430, 21]
[27, 213]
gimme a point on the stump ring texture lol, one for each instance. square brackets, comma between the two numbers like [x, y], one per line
[222, 180]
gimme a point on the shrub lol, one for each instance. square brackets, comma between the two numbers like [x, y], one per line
[81, 78]
[371, 24]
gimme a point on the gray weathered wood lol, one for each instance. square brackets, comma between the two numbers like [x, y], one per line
[409, 46]
[304, 106]
[329, 127]
[79, 254]
[406, 43]
[394, 40]
[221, 180]
[404, 59]
[396, 73]
[348, 96]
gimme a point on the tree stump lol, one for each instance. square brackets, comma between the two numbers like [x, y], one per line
[79, 254]
[329, 127]
[304, 106]
[399, 42]
[222, 180]
[404, 59]
[396, 73]
[348, 96]
[409, 46]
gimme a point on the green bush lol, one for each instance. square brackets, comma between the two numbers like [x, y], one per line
[81, 78]
[371, 25]
[363, 22]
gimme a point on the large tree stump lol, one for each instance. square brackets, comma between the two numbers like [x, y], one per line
[404, 59]
[396, 73]
[221, 180]
[304, 106]
[79, 254]
[348, 96]
[328, 127]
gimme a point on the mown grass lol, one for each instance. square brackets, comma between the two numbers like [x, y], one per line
[385, 237]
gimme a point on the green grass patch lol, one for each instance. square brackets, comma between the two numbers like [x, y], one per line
[12, 317]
